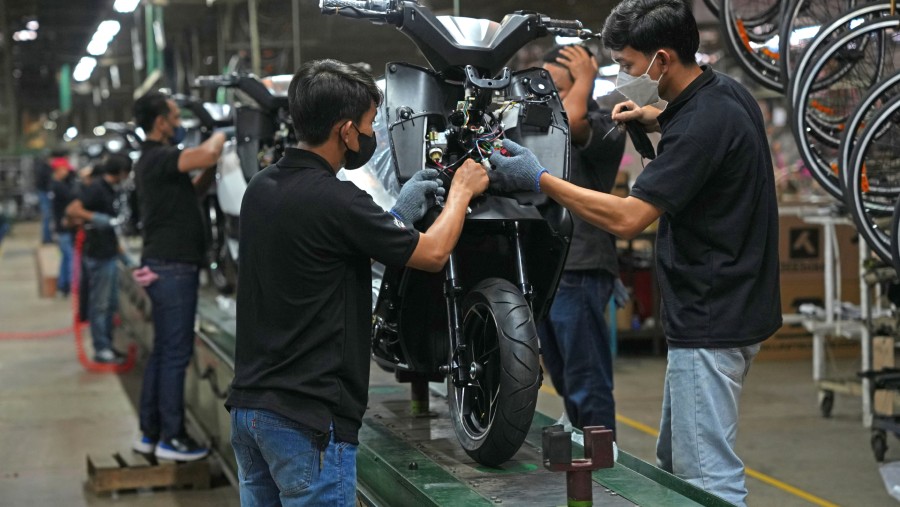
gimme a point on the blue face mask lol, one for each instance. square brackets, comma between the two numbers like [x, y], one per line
[178, 135]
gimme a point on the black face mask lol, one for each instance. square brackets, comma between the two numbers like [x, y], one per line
[367, 145]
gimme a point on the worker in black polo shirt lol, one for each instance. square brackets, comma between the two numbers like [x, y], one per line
[304, 315]
[712, 188]
[95, 206]
[173, 248]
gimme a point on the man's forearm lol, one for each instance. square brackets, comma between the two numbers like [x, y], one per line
[448, 226]
[625, 218]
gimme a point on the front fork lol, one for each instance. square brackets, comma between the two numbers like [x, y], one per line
[463, 374]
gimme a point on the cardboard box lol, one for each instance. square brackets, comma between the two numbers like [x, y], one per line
[801, 250]
[883, 357]
[46, 260]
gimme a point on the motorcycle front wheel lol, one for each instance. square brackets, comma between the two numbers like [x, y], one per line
[492, 412]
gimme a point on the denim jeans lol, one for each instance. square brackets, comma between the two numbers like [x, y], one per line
[174, 300]
[699, 422]
[64, 281]
[46, 206]
[576, 350]
[280, 462]
[103, 299]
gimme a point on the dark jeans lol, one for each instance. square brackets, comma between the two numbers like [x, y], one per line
[174, 298]
[46, 207]
[64, 281]
[103, 299]
[576, 350]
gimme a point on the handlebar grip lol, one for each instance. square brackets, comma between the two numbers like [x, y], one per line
[214, 81]
[340, 4]
[566, 24]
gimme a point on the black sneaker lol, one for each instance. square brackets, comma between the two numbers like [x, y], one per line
[180, 449]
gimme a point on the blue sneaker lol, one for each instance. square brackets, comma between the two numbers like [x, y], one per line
[144, 445]
[180, 449]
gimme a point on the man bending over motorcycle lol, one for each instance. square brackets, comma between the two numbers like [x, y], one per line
[304, 305]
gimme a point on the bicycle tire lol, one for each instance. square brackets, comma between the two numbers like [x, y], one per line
[895, 237]
[800, 14]
[868, 106]
[860, 202]
[760, 62]
[818, 150]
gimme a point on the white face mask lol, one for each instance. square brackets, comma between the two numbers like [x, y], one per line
[641, 90]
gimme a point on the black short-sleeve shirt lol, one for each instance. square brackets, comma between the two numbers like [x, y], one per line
[170, 210]
[717, 244]
[595, 166]
[64, 192]
[304, 303]
[100, 197]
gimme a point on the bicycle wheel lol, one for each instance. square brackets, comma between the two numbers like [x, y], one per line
[827, 34]
[713, 6]
[750, 28]
[820, 116]
[895, 237]
[868, 106]
[874, 165]
[803, 19]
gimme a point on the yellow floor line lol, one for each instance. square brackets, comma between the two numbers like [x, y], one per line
[771, 481]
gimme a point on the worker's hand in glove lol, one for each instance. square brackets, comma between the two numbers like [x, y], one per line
[419, 194]
[102, 220]
[516, 169]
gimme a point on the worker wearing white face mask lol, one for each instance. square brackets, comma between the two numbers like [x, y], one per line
[641, 90]
[712, 188]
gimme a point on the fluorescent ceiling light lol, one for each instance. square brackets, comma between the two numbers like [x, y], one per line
[24, 35]
[32, 25]
[105, 33]
[84, 69]
[126, 5]
[71, 133]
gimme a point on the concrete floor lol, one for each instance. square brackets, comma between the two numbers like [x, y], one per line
[52, 413]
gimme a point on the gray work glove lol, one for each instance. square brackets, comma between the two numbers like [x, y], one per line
[516, 171]
[418, 194]
[102, 220]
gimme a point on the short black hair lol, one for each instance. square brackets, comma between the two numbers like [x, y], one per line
[551, 56]
[649, 25]
[148, 108]
[324, 92]
[115, 163]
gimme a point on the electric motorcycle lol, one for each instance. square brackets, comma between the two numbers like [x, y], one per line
[474, 324]
[262, 126]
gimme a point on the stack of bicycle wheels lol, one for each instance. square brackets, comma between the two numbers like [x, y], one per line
[837, 64]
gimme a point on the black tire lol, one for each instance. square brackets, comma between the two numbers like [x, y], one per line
[222, 268]
[826, 403]
[879, 445]
[804, 14]
[492, 415]
[714, 6]
[745, 23]
[895, 241]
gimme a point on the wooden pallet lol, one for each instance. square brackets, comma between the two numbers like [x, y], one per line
[108, 472]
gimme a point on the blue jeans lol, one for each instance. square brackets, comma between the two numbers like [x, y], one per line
[576, 349]
[46, 206]
[281, 462]
[699, 422]
[174, 299]
[103, 299]
[64, 281]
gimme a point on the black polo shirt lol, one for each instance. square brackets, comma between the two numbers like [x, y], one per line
[717, 244]
[100, 197]
[64, 192]
[170, 210]
[595, 166]
[304, 306]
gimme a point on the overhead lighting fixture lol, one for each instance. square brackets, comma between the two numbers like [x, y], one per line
[609, 70]
[71, 133]
[105, 33]
[33, 25]
[126, 6]
[84, 69]
[24, 35]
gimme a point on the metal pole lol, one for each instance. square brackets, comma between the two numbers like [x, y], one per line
[865, 336]
[456, 7]
[295, 9]
[255, 58]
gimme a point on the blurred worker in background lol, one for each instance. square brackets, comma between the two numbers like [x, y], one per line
[63, 189]
[173, 248]
[575, 338]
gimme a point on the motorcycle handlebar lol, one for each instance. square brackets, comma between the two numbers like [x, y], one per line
[216, 81]
[379, 6]
[565, 24]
